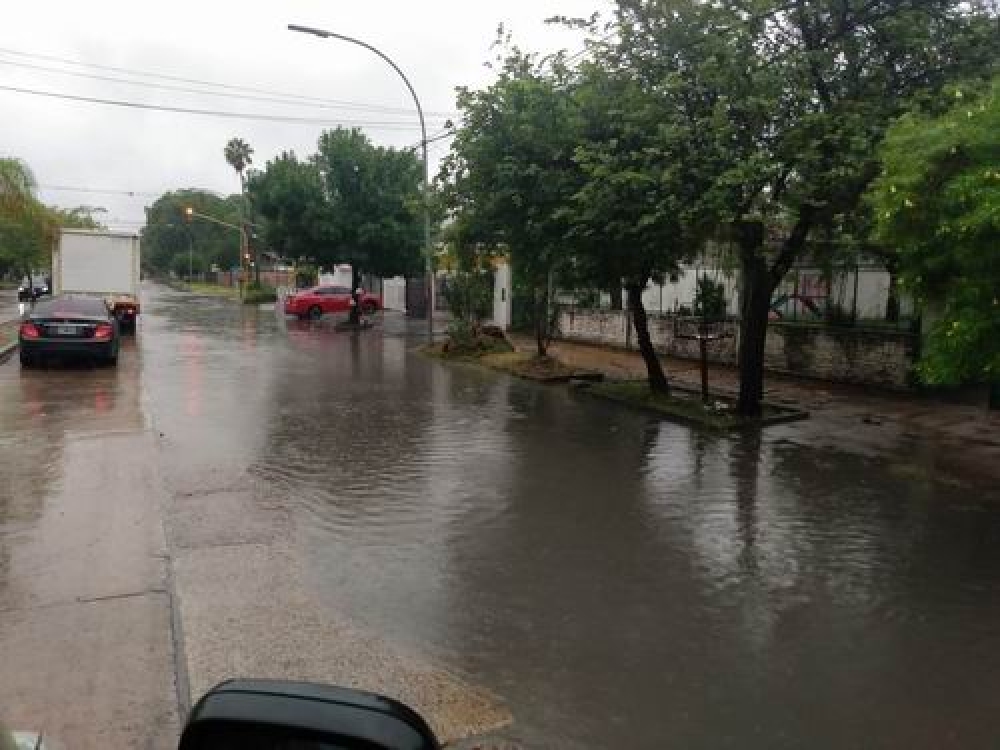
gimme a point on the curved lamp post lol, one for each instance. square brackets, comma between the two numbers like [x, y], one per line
[428, 258]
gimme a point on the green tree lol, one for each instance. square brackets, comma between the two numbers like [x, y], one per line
[79, 217]
[630, 215]
[373, 199]
[27, 227]
[511, 175]
[352, 202]
[17, 188]
[784, 105]
[937, 202]
[24, 246]
[168, 233]
[289, 193]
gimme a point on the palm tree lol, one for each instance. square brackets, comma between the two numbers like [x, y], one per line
[239, 155]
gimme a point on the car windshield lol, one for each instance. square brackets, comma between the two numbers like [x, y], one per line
[586, 373]
[70, 306]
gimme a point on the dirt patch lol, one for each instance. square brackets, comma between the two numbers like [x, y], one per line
[541, 369]
[686, 406]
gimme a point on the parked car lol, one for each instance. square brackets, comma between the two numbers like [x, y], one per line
[33, 288]
[81, 326]
[319, 300]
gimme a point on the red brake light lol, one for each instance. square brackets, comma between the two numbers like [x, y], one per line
[30, 331]
[103, 331]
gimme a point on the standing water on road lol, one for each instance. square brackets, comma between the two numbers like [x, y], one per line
[617, 580]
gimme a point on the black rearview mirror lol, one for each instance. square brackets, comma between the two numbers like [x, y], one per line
[279, 715]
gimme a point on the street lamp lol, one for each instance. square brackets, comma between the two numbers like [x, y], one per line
[428, 258]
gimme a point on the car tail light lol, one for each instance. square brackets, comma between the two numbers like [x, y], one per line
[103, 331]
[30, 331]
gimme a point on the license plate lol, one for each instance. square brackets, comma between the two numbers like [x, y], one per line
[65, 330]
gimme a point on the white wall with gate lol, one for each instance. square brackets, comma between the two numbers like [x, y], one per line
[394, 293]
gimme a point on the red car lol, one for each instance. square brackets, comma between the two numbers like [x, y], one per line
[316, 302]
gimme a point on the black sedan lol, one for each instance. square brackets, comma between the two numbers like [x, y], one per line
[33, 287]
[69, 325]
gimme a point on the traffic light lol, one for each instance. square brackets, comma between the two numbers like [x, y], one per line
[188, 214]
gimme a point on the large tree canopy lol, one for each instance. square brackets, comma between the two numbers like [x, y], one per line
[373, 199]
[632, 216]
[511, 174]
[168, 235]
[352, 202]
[782, 106]
[937, 203]
[28, 227]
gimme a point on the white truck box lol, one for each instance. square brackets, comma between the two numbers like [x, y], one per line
[99, 263]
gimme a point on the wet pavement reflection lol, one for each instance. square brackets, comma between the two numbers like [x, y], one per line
[619, 581]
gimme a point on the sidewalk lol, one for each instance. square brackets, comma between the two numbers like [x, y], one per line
[8, 305]
[919, 435]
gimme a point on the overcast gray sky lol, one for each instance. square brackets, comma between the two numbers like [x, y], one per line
[440, 44]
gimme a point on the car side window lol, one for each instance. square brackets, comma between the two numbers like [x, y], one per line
[325, 291]
[338, 290]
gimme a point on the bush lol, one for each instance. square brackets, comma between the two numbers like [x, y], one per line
[588, 299]
[466, 339]
[306, 277]
[259, 294]
[710, 299]
[470, 295]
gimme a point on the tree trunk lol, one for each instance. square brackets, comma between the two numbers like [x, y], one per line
[541, 320]
[755, 304]
[892, 300]
[354, 316]
[654, 370]
[615, 292]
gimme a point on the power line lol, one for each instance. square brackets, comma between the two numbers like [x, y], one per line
[451, 133]
[224, 94]
[385, 125]
[103, 191]
[227, 86]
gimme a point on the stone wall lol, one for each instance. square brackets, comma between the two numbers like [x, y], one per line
[849, 355]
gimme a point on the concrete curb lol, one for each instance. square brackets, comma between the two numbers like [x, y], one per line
[6, 351]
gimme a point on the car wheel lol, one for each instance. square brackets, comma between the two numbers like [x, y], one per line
[369, 308]
[27, 359]
[315, 312]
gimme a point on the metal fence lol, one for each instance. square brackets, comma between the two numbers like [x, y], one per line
[859, 295]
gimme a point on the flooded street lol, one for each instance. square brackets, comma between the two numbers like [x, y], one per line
[510, 557]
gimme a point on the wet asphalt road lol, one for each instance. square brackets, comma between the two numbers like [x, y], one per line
[246, 497]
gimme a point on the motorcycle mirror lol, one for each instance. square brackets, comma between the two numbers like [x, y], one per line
[280, 715]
